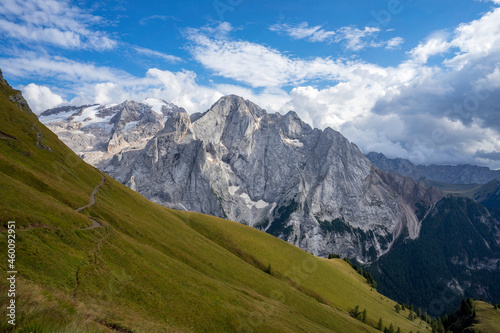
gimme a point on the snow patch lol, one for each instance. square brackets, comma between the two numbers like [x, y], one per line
[232, 189]
[261, 204]
[292, 142]
[130, 125]
[61, 116]
[156, 104]
[252, 204]
[257, 123]
[88, 113]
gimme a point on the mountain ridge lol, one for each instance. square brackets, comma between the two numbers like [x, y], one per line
[274, 172]
[453, 174]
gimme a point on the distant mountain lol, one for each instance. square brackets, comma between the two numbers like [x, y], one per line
[97, 132]
[489, 195]
[274, 172]
[459, 174]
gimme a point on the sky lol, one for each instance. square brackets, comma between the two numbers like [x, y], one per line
[415, 79]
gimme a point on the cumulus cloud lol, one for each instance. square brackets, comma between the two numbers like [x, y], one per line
[450, 112]
[41, 98]
[436, 44]
[108, 92]
[181, 88]
[263, 66]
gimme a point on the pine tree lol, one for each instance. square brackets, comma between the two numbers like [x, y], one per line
[419, 313]
[355, 312]
[397, 307]
[363, 316]
[380, 324]
[268, 269]
[391, 328]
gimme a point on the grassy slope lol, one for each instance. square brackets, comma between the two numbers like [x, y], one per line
[488, 318]
[151, 268]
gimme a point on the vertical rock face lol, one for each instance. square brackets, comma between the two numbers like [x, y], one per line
[310, 187]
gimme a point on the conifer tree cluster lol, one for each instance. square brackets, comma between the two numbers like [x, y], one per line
[360, 315]
[365, 274]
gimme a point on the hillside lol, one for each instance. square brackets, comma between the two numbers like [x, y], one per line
[140, 267]
[458, 253]
[487, 318]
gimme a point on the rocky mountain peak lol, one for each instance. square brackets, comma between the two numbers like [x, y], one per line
[310, 187]
[178, 125]
[230, 120]
[227, 105]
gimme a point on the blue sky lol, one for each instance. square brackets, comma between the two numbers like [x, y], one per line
[411, 79]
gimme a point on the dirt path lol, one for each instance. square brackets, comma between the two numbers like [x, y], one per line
[94, 225]
[92, 195]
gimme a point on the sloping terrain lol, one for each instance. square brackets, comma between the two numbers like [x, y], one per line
[489, 195]
[457, 255]
[147, 268]
[487, 318]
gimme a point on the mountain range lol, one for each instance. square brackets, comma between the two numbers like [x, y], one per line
[312, 188]
[451, 174]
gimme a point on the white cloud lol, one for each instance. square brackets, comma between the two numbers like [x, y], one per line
[263, 66]
[434, 45]
[354, 39]
[303, 31]
[41, 98]
[152, 53]
[394, 43]
[52, 22]
[476, 40]
[108, 92]
[59, 68]
[181, 88]
[497, 2]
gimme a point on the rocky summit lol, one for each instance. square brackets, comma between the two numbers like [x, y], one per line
[310, 187]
